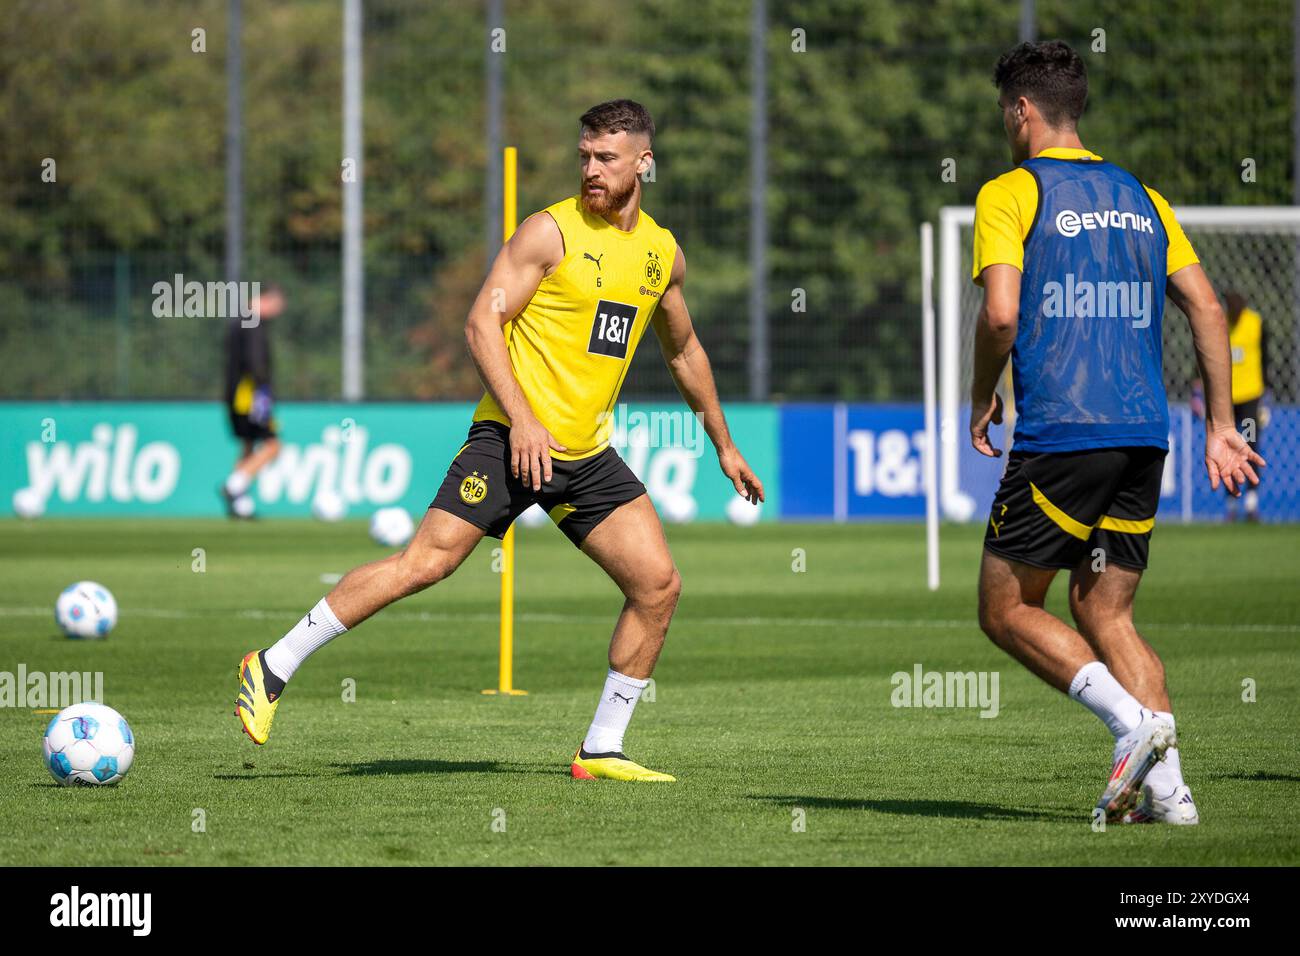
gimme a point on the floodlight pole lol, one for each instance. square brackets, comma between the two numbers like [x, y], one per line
[353, 272]
[1028, 24]
[234, 143]
[759, 355]
[492, 86]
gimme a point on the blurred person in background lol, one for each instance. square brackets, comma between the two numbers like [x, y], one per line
[1249, 342]
[250, 400]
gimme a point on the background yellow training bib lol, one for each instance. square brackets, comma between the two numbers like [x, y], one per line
[1247, 341]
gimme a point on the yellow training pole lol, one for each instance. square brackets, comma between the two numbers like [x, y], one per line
[505, 677]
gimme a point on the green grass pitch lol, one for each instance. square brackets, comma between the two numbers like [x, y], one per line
[772, 706]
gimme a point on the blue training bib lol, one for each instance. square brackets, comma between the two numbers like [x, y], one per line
[1087, 362]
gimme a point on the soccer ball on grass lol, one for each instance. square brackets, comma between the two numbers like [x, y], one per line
[88, 745]
[391, 527]
[86, 610]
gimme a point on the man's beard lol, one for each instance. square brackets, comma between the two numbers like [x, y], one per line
[611, 199]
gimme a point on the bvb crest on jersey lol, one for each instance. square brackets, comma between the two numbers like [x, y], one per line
[654, 270]
[473, 489]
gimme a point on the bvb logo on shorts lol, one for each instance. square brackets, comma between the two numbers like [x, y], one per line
[473, 489]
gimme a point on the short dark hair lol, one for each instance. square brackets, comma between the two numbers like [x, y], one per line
[617, 116]
[1050, 75]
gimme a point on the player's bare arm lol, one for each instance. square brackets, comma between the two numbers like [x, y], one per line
[1227, 455]
[689, 365]
[532, 253]
[995, 334]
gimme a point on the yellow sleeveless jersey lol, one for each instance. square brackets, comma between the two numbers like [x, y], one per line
[1247, 341]
[571, 345]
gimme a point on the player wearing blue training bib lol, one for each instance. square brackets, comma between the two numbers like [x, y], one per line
[1086, 364]
[1076, 257]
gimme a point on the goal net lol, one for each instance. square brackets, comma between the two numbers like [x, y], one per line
[1253, 250]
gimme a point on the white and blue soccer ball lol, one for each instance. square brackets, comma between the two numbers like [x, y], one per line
[28, 503]
[743, 512]
[88, 745]
[86, 610]
[328, 506]
[534, 516]
[391, 527]
[677, 508]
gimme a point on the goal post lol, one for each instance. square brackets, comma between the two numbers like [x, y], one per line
[1254, 250]
[955, 504]
[928, 375]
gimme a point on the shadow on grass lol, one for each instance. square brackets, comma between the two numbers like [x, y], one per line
[254, 775]
[952, 809]
[383, 768]
[1259, 775]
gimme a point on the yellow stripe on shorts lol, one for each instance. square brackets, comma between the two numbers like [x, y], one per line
[1126, 525]
[561, 511]
[242, 402]
[1082, 531]
[1067, 524]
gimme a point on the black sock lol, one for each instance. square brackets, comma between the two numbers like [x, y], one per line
[274, 686]
[582, 752]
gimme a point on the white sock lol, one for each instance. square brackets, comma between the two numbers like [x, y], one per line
[237, 483]
[1167, 775]
[1097, 689]
[617, 701]
[309, 635]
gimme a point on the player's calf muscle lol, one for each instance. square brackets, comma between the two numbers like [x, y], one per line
[997, 620]
[997, 604]
[643, 626]
[635, 648]
[1135, 663]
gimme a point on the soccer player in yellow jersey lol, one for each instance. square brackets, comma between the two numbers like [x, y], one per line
[1249, 341]
[552, 332]
[1076, 257]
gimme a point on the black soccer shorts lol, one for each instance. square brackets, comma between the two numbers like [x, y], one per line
[1244, 412]
[1052, 510]
[244, 427]
[580, 495]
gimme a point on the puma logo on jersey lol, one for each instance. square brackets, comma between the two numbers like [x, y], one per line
[595, 259]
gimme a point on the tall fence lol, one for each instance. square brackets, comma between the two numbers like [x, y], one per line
[878, 113]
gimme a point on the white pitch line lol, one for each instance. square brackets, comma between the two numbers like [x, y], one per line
[432, 617]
